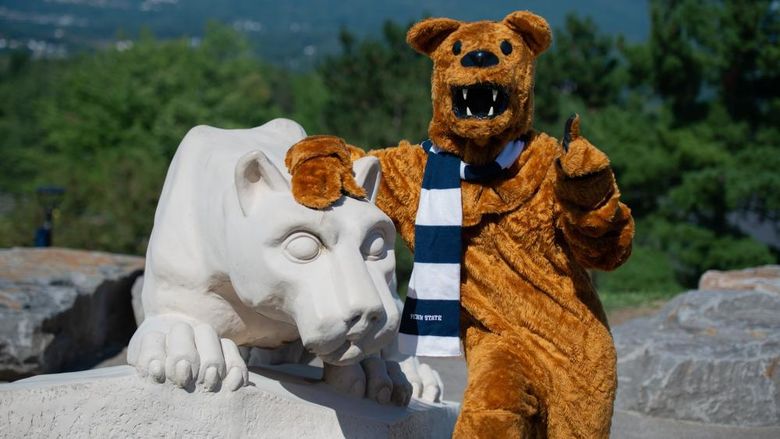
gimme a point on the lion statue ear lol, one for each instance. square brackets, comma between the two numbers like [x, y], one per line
[532, 28]
[426, 35]
[367, 175]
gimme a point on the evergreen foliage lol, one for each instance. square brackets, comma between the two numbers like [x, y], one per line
[689, 119]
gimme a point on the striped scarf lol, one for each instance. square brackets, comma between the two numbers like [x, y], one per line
[430, 323]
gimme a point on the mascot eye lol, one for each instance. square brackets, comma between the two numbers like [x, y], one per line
[374, 246]
[506, 48]
[303, 247]
[456, 48]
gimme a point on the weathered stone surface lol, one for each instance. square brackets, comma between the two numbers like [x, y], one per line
[135, 293]
[114, 402]
[62, 309]
[711, 357]
[765, 278]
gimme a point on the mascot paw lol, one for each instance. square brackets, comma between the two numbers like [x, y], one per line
[580, 157]
[584, 177]
[321, 171]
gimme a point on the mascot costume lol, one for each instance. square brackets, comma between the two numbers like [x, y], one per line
[505, 222]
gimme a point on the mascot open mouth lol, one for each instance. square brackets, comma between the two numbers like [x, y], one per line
[480, 101]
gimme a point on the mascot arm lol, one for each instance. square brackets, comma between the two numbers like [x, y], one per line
[597, 226]
[321, 169]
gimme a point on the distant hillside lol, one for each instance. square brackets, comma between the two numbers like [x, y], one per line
[290, 33]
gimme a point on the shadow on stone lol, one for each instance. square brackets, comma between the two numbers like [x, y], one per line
[360, 417]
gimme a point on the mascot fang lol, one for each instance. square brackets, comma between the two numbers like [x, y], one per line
[505, 221]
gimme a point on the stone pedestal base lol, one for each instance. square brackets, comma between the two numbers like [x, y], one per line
[115, 402]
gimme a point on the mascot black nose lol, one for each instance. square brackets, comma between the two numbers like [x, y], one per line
[479, 58]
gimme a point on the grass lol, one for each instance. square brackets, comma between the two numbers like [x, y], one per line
[613, 300]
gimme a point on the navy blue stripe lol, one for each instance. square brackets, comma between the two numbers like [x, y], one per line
[426, 145]
[484, 172]
[431, 317]
[442, 171]
[437, 244]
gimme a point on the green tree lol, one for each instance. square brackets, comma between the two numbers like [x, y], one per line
[689, 118]
[379, 90]
[583, 66]
[108, 129]
[698, 152]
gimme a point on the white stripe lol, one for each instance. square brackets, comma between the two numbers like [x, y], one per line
[439, 207]
[505, 158]
[429, 345]
[510, 153]
[435, 281]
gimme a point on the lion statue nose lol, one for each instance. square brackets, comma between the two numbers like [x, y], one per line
[479, 58]
[363, 323]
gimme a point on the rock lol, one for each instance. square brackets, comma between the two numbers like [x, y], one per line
[632, 425]
[766, 278]
[708, 357]
[115, 402]
[62, 309]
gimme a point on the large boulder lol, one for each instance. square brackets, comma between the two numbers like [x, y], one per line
[765, 278]
[62, 309]
[708, 359]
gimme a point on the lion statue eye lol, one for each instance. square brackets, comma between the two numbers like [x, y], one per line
[456, 47]
[374, 246]
[506, 47]
[303, 247]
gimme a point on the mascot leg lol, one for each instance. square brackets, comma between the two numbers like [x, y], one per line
[517, 390]
[581, 397]
[498, 402]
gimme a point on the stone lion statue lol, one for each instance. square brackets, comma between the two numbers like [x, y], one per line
[234, 261]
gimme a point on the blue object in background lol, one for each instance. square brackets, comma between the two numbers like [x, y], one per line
[49, 197]
[43, 236]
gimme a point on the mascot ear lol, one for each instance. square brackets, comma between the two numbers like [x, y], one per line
[426, 35]
[533, 28]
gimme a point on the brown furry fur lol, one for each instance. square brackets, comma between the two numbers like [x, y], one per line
[326, 178]
[540, 356]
